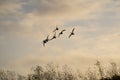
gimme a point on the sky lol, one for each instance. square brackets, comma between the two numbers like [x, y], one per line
[24, 24]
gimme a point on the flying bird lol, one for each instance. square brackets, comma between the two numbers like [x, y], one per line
[46, 40]
[61, 32]
[54, 36]
[56, 29]
[72, 33]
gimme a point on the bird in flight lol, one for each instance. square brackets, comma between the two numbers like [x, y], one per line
[56, 29]
[61, 32]
[54, 36]
[46, 40]
[72, 33]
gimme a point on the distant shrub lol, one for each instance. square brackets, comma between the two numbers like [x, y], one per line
[56, 72]
[63, 72]
[9, 75]
[53, 72]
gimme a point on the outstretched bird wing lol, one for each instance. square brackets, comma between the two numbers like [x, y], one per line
[47, 37]
[59, 34]
[73, 30]
[63, 30]
[70, 35]
[43, 44]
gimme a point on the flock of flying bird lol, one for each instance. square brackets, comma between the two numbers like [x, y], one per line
[54, 36]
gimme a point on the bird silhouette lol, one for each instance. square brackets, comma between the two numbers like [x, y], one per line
[56, 29]
[54, 36]
[72, 33]
[46, 40]
[61, 32]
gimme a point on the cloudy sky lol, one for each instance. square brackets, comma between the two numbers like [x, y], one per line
[25, 23]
